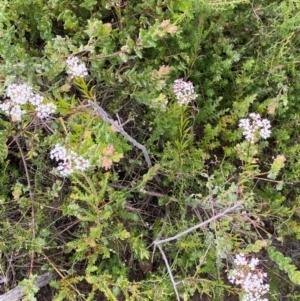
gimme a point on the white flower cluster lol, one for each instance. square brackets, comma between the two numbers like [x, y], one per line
[75, 68]
[22, 94]
[69, 161]
[44, 110]
[250, 278]
[255, 124]
[184, 91]
[113, 3]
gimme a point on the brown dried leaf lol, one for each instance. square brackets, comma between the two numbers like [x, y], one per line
[114, 129]
[165, 23]
[108, 26]
[146, 267]
[281, 158]
[163, 70]
[106, 163]
[109, 150]
[172, 29]
[273, 105]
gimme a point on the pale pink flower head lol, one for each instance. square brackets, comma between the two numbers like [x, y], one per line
[184, 91]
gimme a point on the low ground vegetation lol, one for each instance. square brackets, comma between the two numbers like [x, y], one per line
[150, 149]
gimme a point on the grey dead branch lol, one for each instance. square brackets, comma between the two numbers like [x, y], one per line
[19, 292]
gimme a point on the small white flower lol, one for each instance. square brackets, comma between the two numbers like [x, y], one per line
[58, 153]
[45, 110]
[5, 107]
[113, 3]
[69, 161]
[184, 91]
[65, 168]
[254, 126]
[253, 263]
[19, 93]
[71, 156]
[75, 68]
[249, 277]
[81, 164]
[240, 259]
[16, 113]
[36, 99]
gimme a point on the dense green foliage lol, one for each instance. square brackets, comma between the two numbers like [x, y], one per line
[95, 229]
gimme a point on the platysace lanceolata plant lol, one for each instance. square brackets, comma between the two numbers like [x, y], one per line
[184, 91]
[255, 126]
[251, 279]
[69, 161]
[22, 94]
[194, 151]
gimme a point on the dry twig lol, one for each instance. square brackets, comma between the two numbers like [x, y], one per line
[31, 195]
